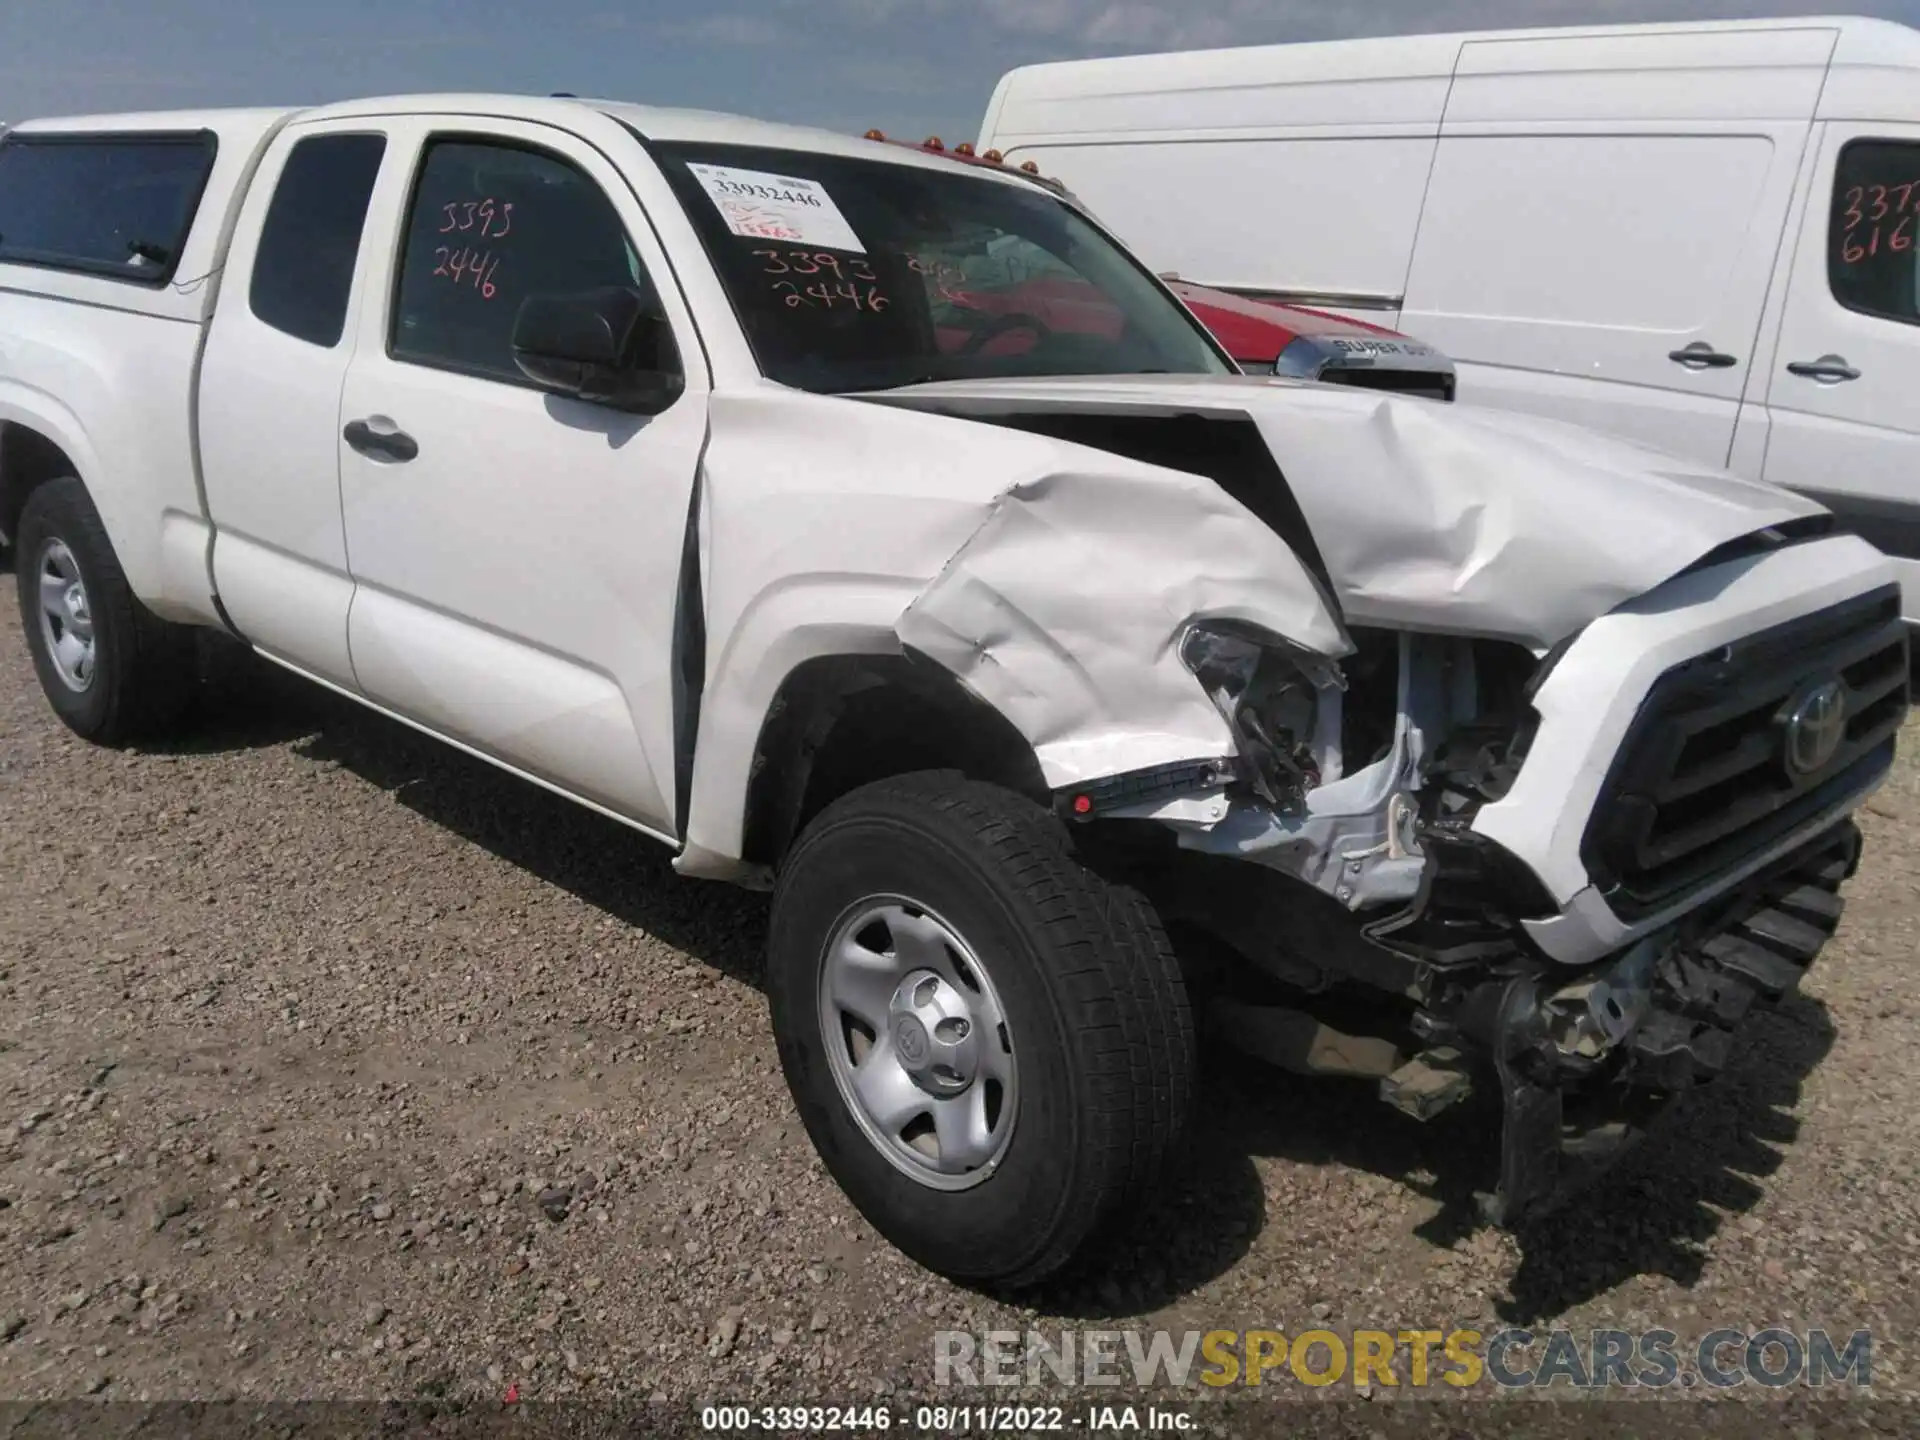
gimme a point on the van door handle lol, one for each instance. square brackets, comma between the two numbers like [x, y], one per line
[1702, 356]
[393, 444]
[1828, 369]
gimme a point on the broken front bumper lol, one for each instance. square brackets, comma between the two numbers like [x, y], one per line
[1574, 1096]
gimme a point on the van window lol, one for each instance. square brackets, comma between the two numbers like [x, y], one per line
[492, 224]
[1871, 255]
[311, 237]
[117, 205]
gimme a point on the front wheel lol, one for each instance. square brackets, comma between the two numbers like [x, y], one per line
[990, 1045]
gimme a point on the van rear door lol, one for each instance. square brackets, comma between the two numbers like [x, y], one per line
[1603, 221]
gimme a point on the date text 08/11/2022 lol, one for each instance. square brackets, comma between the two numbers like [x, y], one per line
[944, 1419]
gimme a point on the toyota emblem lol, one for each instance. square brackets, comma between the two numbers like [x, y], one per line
[1816, 723]
[910, 1039]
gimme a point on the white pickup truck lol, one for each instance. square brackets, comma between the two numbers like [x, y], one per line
[670, 461]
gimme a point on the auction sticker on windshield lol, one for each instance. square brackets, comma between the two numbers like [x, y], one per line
[765, 206]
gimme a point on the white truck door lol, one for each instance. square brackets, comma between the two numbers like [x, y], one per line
[1847, 365]
[1603, 220]
[516, 572]
[276, 355]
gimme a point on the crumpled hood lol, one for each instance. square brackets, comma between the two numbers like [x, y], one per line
[1443, 517]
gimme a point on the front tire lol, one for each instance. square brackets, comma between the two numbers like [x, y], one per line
[989, 1044]
[112, 670]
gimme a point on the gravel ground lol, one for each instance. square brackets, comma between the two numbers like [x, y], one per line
[336, 1064]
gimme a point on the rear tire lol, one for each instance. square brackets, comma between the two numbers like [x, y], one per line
[112, 670]
[963, 904]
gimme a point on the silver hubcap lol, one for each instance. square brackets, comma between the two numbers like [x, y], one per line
[66, 617]
[918, 1042]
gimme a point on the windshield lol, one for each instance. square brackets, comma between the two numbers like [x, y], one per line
[854, 274]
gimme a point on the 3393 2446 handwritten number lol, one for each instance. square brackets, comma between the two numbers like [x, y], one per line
[494, 220]
[468, 265]
[820, 293]
[801, 280]
[809, 262]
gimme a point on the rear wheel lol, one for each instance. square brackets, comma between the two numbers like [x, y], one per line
[989, 1044]
[111, 668]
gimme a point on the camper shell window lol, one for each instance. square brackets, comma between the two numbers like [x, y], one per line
[118, 205]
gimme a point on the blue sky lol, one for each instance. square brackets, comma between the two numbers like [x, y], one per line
[909, 66]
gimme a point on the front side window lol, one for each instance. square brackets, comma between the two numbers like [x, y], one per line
[490, 225]
[851, 274]
[116, 205]
[310, 239]
[1872, 261]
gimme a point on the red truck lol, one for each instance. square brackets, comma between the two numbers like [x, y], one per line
[1026, 299]
[1264, 335]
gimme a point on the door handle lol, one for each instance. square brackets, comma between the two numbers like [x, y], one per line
[393, 444]
[1702, 356]
[1828, 369]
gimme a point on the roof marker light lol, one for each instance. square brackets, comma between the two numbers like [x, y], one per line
[933, 143]
[875, 135]
[993, 157]
[1031, 167]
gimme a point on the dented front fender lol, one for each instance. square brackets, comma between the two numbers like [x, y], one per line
[1064, 611]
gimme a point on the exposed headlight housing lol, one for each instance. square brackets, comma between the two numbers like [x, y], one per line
[1281, 702]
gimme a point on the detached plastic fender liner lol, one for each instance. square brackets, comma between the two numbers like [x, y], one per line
[1064, 610]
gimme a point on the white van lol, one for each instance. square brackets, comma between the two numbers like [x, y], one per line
[1701, 236]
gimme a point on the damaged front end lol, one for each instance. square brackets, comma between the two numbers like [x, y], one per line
[1583, 1065]
[1437, 780]
[1368, 879]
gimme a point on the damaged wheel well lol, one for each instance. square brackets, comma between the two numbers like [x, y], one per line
[843, 721]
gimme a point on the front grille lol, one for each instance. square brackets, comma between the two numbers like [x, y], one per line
[1703, 780]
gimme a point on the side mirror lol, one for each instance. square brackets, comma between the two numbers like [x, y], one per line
[605, 346]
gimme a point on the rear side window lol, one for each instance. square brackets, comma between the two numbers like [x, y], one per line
[1872, 260]
[117, 205]
[311, 237]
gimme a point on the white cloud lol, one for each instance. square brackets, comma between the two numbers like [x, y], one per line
[733, 28]
[1127, 24]
[1136, 23]
[721, 27]
[1189, 24]
[1035, 17]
